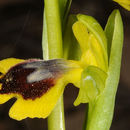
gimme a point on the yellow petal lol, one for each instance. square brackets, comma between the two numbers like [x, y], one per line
[74, 75]
[92, 52]
[88, 58]
[81, 34]
[124, 3]
[98, 53]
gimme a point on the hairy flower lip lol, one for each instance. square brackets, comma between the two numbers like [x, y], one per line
[42, 106]
[32, 78]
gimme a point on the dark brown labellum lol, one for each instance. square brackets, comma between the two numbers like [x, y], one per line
[32, 78]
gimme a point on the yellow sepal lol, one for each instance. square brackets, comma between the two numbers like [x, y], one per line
[124, 3]
[81, 33]
[92, 51]
[97, 52]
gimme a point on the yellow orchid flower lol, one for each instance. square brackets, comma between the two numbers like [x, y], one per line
[38, 84]
[124, 3]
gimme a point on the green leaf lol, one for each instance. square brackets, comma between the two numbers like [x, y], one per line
[91, 85]
[48, 22]
[45, 40]
[102, 112]
[94, 27]
[109, 30]
[62, 7]
[71, 49]
[65, 16]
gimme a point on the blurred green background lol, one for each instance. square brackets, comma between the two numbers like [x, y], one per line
[20, 37]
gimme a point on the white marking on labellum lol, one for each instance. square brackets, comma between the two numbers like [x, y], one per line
[39, 75]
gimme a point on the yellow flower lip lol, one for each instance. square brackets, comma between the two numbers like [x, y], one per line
[32, 78]
[51, 76]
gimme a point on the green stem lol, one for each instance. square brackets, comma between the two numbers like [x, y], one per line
[56, 119]
[54, 31]
[52, 48]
